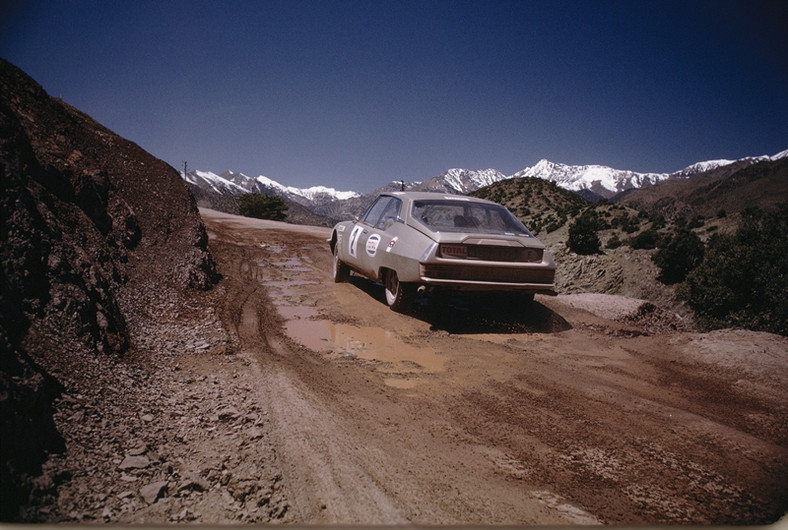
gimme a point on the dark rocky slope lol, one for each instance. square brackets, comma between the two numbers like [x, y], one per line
[730, 189]
[92, 228]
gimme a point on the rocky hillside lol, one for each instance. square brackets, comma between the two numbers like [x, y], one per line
[94, 232]
[632, 224]
[547, 210]
[539, 203]
[730, 189]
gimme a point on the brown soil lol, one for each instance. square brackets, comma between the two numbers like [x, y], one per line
[280, 396]
[467, 411]
[129, 395]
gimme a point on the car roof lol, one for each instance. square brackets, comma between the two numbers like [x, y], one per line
[431, 195]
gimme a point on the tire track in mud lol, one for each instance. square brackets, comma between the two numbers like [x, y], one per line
[323, 473]
[352, 453]
[568, 418]
[325, 482]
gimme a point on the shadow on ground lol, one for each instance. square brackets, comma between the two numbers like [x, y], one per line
[471, 313]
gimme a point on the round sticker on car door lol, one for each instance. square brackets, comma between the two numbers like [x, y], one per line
[372, 245]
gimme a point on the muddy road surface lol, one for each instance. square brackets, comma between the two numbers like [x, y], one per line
[467, 412]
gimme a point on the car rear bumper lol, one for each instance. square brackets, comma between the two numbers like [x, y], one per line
[474, 277]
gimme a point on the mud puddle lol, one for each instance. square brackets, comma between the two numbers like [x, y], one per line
[395, 356]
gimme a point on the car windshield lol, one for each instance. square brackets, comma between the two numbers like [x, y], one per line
[463, 215]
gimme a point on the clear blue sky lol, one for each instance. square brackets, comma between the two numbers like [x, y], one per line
[354, 94]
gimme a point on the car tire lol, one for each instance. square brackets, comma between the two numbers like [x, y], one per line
[341, 271]
[398, 294]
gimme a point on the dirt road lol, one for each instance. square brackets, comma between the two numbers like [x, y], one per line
[460, 413]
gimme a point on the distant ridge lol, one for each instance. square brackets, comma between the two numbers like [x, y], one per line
[593, 182]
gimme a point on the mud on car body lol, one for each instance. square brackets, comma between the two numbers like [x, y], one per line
[419, 241]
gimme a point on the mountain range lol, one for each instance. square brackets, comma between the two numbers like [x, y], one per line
[593, 182]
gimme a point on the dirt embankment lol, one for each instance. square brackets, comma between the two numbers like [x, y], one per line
[88, 222]
[281, 396]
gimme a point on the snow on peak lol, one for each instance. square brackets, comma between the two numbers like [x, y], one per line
[700, 167]
[269, 183]
[465, 180]
[602, 180]
[778, 156]
[592, 177]
[708, 165]
[230, 183]
[314, 191]
[213, 181]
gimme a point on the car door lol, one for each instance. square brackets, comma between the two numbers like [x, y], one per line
[366, 235]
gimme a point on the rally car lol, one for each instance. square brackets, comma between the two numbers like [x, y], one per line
[420, 242]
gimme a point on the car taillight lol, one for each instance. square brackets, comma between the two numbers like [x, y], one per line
[454, 251]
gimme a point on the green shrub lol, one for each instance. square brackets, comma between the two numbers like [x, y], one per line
[647, 239]
[658, 221]
[262, 206]
[680, 255]
[555, 224]
[696, 222]
[614, 241]
[583, 238]
[743, 279]
[628, 224]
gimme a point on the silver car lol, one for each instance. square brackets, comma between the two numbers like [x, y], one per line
[419, 242]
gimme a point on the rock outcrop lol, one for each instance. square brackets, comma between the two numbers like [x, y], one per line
[91, 226]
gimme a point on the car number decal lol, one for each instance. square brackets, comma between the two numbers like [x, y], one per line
[372, 245]
[353, 241]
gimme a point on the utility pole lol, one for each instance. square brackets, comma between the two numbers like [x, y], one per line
[184, 169]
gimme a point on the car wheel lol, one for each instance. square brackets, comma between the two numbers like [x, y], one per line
[341, 271]
[398, 294]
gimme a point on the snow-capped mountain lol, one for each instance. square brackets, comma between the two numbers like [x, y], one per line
[711, 165]
[461, 181]
[229, 183]
[213, 182]
[601, 180]
[605, 181]
[592, 181]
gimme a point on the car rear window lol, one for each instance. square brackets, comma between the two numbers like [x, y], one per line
[467, 216]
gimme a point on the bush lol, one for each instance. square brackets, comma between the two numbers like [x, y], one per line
[743, 279]
[583, 238]
[680, 255]
[614, 241]
[262, 206]
[696, 222]
[658, 221]
[647, 239]
[555, 225]
[628, 224]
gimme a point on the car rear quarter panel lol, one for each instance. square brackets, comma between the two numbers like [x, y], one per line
[401, 249]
